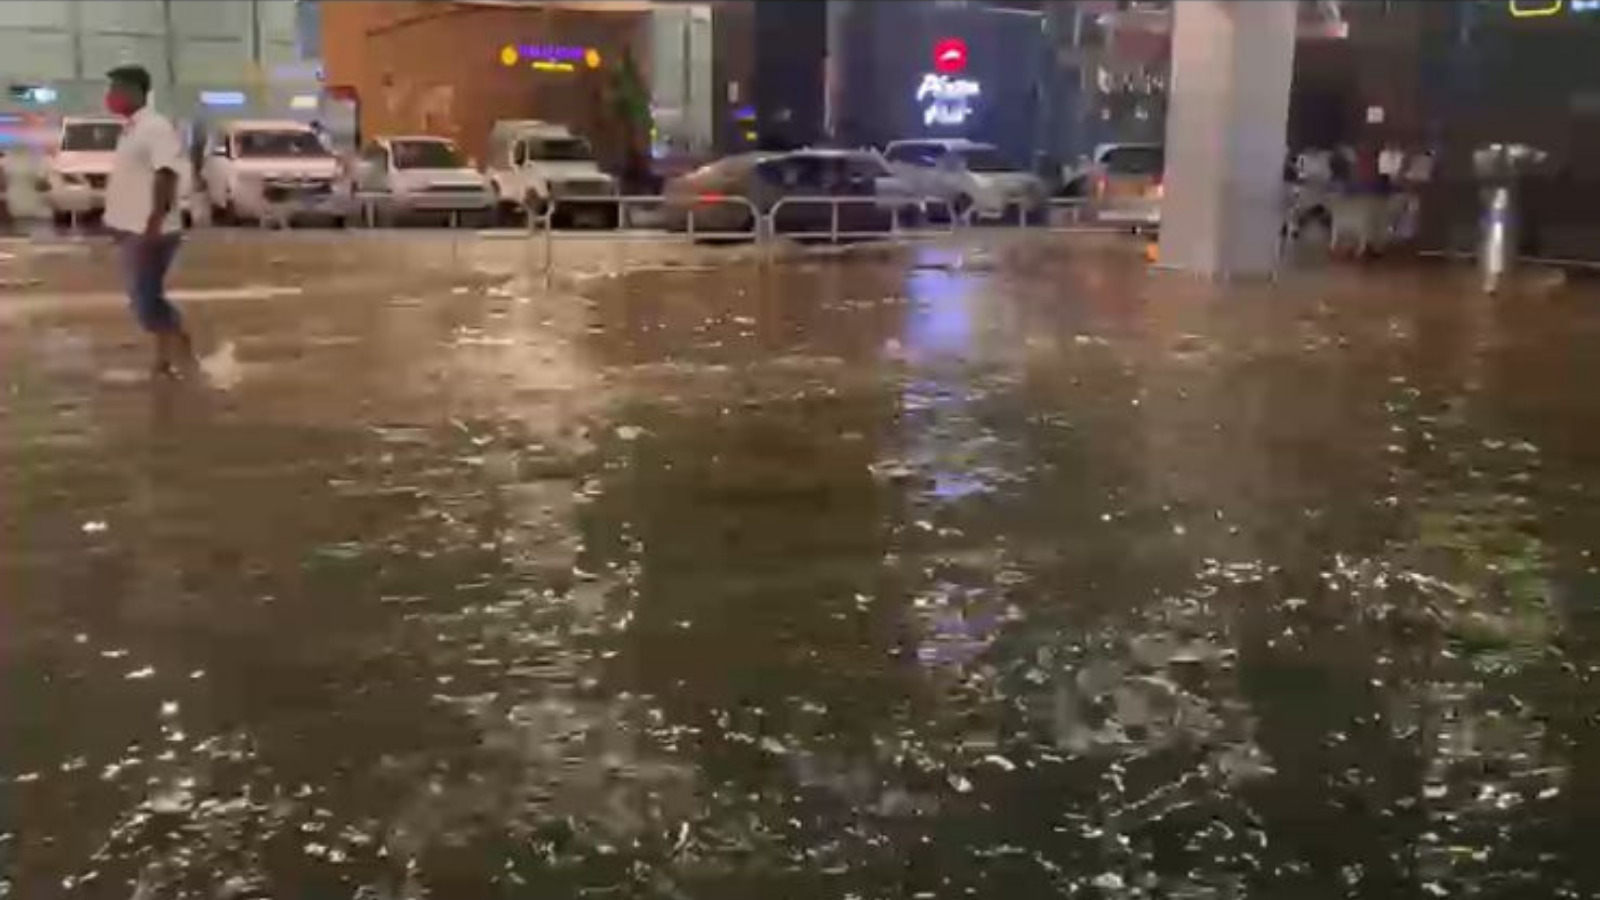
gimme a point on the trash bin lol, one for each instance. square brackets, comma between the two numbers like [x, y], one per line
[1499, 168]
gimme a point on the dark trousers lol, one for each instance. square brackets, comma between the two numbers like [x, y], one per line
[144, 272]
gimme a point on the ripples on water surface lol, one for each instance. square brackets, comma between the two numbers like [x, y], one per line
[976, 577]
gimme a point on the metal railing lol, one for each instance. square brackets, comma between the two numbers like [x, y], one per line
[375, 208]
[545, 219]
[891, 208]
[764, 228]
[1063, 214]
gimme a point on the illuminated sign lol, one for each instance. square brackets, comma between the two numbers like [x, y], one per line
[39, 94]
[1583, 6]
[303, 101]
[550, 57]
[222, 98]
[950, 56]
[1534, 9]
[946, 100]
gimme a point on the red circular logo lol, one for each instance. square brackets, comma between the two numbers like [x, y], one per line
[950, 56]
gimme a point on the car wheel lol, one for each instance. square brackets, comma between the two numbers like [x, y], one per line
[61, 219]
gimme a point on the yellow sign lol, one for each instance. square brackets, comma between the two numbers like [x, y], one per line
[1535, 9]
[591, 58]
[548, 65]
[509, 55]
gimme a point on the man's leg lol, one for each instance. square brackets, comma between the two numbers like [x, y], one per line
[131, 253]
[149, 263]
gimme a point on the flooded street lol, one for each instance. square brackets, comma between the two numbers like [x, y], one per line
[1003, 569]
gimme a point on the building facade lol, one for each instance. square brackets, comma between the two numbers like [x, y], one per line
[54, 53]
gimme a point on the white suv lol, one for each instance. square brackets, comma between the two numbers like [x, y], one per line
[967, 175]
[398, 176]
[74, 182]
[270, 169]
[532, 163]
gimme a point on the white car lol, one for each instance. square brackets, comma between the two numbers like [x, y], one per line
[532, 163]
[1123, 184]
[256, 169]
[399, 176]
[79, 165]
[970, 177]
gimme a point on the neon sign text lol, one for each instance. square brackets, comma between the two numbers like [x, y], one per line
[946, 100]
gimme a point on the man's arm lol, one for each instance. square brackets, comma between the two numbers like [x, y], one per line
[165, 154]
[163, 194]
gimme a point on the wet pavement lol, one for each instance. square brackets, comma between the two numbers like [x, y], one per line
[1000, 569]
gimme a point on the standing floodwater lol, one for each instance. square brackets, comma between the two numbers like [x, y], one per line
[1000, 573]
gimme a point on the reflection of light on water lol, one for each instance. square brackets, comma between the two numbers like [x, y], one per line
[940, 322]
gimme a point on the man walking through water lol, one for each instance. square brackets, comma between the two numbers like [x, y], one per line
[142, 211]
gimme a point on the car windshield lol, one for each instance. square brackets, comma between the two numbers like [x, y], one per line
[91, 136]
[425, 155]
[1135, 160]
[278, 143]
[559, 149]
[986, 159]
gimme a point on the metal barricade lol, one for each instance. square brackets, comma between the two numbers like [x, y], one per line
[623, 202]
[1064, 214]
[835, 203]
[951, 220]
[374, 208]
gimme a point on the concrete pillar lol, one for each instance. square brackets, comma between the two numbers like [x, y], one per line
[1227, 120]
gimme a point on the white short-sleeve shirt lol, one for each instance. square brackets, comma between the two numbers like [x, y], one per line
[148, 144]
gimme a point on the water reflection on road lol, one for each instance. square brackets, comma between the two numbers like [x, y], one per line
[990, 573]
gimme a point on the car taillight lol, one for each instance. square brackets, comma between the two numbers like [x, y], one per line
[708, 198]
[1100, 184]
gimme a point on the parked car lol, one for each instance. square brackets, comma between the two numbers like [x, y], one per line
[969, 177]
[1122, 184]
[715, 194]
[532, 163]
[401, 176]
[258, 169]
[79, 166]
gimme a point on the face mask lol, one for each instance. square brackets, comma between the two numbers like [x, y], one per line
[118, 104]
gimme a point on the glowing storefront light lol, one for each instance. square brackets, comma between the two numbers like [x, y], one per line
[222, 98]
[37, 94]
[946, 100]
[550, 57]
[1533, 9]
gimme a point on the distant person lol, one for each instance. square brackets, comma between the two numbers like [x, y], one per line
[142, 212]
[5, 197]
[1391, 165]
[323, 136]
[1341, 167]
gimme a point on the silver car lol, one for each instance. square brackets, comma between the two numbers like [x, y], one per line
[967, 176]
[402, 176]
[1123, 184]
[725, 196]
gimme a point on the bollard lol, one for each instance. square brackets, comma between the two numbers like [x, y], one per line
[1500, 167]
[1497, 237]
